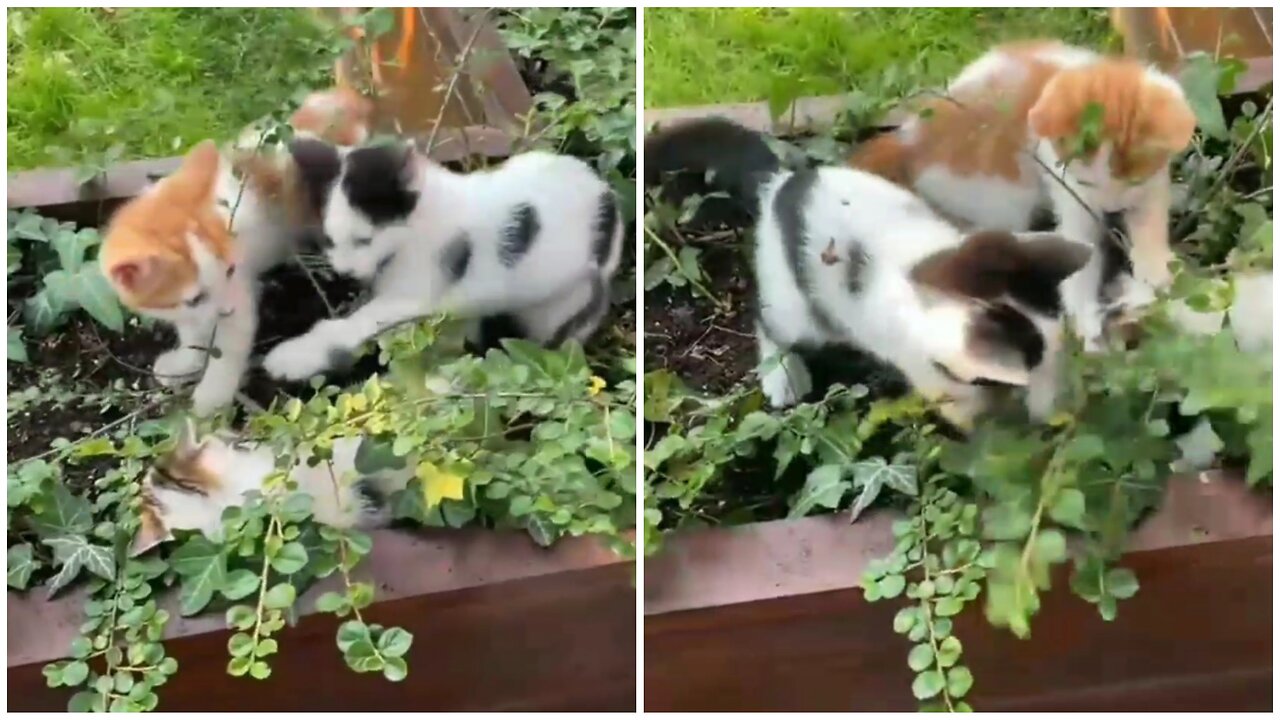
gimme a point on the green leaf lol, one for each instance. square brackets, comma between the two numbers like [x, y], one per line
[21, 565]
[75, 552]
[395, 669]
[75, 673]
[1068, 508]
[260, 670]
[920, 657]
[291, 558]
[280, 597]
[395, 642]
[351, 632]
[948, 606]
[239, 666]
[240, 584]
[905, 620]
[1121, 583]
[899, 477]
[203, 567]
[959, 681]
[1050, 546]
[240, 645]
[94, 293]
[824, 487]
[1083, 448]
[374, 456]
[17, 348]
[949, 651]
[891, 586]
[71, 246]
[241, 617]
[1006, 521]
[927, 684]
[1199, 78]
[333, 602]
[67, 514]
[43, 311]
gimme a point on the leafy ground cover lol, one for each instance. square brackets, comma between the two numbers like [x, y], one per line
[524, 438]
[983, 518]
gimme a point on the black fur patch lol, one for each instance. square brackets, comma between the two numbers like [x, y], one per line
[1043, 219]
[340, 360]
[456, 257]
[493, 330]
[372, 499]
[606, 225]
[1003, 327]
[856, 270]
[590, 312]
[318, 166]
[1114, 247]
[376, 182]
[788, 207]
[519, 234]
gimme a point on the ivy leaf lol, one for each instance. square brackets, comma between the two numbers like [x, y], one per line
[240, 584]
[291, 558]
[949, 651]
[395, 642]
[897, 476]
[927, 684]
[71, 246]
[21, 565]
[824, 487]
[438, 484]
[94, 293]
[17, 348]
[66, 514]
[373, 456]
[75, 552]
[203, 568]
[280, 597]
[1199, 80]
[395, 669]
[1121, 583]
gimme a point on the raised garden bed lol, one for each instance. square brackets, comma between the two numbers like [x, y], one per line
[501, 625]
[498, 623]
[750, 608]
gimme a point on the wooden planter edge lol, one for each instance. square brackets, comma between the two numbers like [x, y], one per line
[783, 599]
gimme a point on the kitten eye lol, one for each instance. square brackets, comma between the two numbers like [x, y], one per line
[199, 298]
[362, 241]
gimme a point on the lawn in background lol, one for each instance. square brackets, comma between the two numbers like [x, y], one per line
[701, 56]
[152, 80]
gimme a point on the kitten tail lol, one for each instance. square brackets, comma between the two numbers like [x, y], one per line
[721, 155]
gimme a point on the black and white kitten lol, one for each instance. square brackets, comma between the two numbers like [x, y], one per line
[845, 257]
[538, 239]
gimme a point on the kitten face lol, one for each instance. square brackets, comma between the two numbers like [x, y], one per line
[1144, 121]
[182, 491]
[995, 311]
[167, 252]
[366, 191]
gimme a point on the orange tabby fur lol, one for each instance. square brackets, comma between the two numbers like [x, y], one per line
[145, 253]
[983, 129]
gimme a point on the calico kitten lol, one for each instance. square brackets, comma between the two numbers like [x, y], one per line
[190, 248]
[1005, 146]
[846, 257]
[189, 488]
[538, 238]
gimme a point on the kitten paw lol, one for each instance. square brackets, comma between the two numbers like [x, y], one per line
[178, 367]
[297, 359]
[786, 383]
[210, 397]
[1152, 267]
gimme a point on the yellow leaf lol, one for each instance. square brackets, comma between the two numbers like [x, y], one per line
[595, 385]
[438, 484]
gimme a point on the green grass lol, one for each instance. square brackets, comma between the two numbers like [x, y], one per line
[153, 81]
[700, 56]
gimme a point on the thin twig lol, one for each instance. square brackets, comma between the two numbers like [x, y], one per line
[1228, 168]
[453, 79]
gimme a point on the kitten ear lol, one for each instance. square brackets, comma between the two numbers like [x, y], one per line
[318, 162]
[151, 532]
[137, 275]
[979, 268]
[195, 178]
[1051, 257]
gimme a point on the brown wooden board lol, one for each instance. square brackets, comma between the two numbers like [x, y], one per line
[498, 623]
[768, 617]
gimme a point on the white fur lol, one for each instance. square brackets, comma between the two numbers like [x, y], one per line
[244, 469]
[548, 285]
[1250, 314]
[220, 311]
[889, 316]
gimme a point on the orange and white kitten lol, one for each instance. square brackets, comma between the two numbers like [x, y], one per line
[190, 249]
[191, 486]
[1002, 147]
